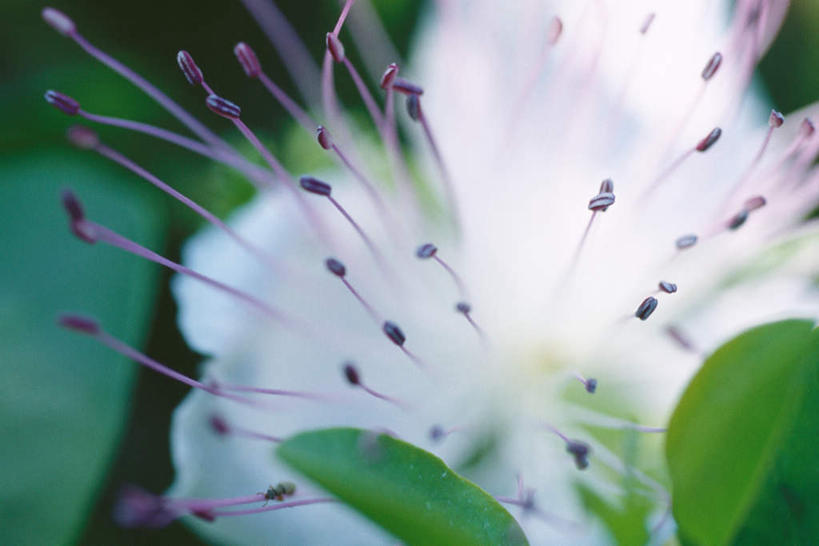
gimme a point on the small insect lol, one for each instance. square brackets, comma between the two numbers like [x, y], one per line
[279, 491]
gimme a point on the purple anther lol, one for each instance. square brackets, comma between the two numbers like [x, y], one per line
[408, 88]
[393, 331]
[389, 76]
[313, 185]
[82, 137]
[335, 47]
[463, 307]
[426, 250]
[647, 23]
[248, 59]
[76, 216]
[601, 202]
[79, 323]
[335, 267]
[668, 287]
[591, 385]
[776, 119]
[709, 140]
[324, 138]
[578, 448]
[59, 21]
[712, 66]
[219, 425]
[686, 241]
[414, 107]
[607, 186]
[223, 107]
[351, 374]
[754, 203]
[64, 103]
[807, 127]
[189, 68]
[436, 433]
[738, 219]
[646, 308]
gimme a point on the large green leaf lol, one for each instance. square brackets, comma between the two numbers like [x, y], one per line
[741, 443]
[408, 491]
[63, 399]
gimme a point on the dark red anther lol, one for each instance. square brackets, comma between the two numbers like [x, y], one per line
[426, 250]
[351, 374]
[393, 331]
[248, 60]
[223, 107]
[712, 66]
[219, 425]
[205, 515]
[408, 88]
[754, 203]
[79, 323]
[389, 76]
[709, 140]
[601, 202]
[776, 119]
[646, 308]
[686, 241]
[807, 127]
[335, 267]
[83, 137]
[189, 67]
[77, 217]
[324, 138]
[313, 185]
[62, 102]
[335, 47]
[668, 287]
[414, 107]
[738, 220]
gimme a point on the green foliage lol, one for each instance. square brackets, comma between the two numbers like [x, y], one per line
[63, 399]
[406, 490]
[741, 443]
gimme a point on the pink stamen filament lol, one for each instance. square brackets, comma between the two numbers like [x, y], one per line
[271, 508]
[749, 171]
[196, 505]
[295, 111]
[449, 190]
[272, 392]
[381, 396]
[367, 241]
[668, 171]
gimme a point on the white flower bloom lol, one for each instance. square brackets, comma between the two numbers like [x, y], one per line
[528, 130]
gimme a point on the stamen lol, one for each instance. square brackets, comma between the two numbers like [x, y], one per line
[597, 204]
[353, 377]
[466, 310]
[686, 241]
[339, 270]
[248, 60]
[647, 23]
[59, 21]
[712, 66]
[62, 102]
[406, 87]
[90, 327]
[702, 147]
[429, 250]
[667, 287]
[437, 433]
[189, 68]
[396, 335]
[578, 449]
[92, 232]
[646, 308]
[590, 384]
[680, 339]
[221, 427]
[278, 506]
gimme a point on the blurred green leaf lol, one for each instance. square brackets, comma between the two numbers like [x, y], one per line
[62, 398]
[741, 442]
[408, 491]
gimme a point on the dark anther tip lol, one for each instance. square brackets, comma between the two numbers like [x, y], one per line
[204, 515]
[62, 102]
[582, 463]
[686, 241]
[463, 307]
[351, 373]
[218, 425]
[313, 185]
[247, 59]
[189, 67]
[389, 76]
[709, 140]
[578, 448]
[82, 137]
[607, 186]
[335, 267]
[776, 119]
[414, 107]
[712, 66]
[76, 216]
[436, 433]
[324, 138]
[646, 308]
[738, 220]
[601, 202]
[754, 203]
[393, 331]
[335, 47]
[80, 324]
[223, 107]
[591, 385]
[426, 250]
[668, 287]
[807, 127]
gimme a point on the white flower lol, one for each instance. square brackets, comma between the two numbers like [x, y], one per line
[528, 129]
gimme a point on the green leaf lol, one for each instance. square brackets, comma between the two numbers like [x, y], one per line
[63, 399]
[741, 442]
[408, 491]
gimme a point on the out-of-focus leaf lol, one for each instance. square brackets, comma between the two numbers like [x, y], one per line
[62, 398]
[408, 491]
[741, 442]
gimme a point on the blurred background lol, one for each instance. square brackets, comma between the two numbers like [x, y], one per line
[76, 421]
